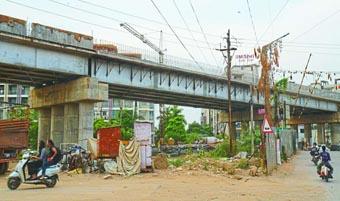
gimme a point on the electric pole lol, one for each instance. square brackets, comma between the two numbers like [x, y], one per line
[252, 112]
[232, 137]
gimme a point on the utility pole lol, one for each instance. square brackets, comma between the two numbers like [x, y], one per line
[232, 137]
[252, 112]
[231, 133]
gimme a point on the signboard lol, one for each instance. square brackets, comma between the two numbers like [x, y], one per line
[261, 111]
[266, 128]
[245, 58]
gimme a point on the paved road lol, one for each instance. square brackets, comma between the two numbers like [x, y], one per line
[332, 187]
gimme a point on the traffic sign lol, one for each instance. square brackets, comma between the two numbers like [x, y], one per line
[266, 128]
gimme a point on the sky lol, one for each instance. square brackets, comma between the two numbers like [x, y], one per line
[313, 27]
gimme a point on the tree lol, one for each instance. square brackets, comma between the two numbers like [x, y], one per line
[204, 129]
[174, 124]
[124, 119]
[24, 113]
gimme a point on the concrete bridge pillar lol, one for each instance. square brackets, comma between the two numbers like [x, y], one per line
[86, 118]
[321, 133]
[308, 133]
[335, 133]
[66, 111]
[71, 125]
[44, 124]
[57, 124]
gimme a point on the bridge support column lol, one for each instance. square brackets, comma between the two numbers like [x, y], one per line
[57, 124]
[321, 133]
[66, 111]
[71, 119]
[335, 133]
[44, 124]
[308, 133]
[86, 118]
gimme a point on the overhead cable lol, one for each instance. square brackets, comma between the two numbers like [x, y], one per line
[166, 21]
[205, 37]
[187, 26]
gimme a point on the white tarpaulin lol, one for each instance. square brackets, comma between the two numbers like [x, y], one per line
[129, 160]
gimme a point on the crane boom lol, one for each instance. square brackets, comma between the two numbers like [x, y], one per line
[142, 38]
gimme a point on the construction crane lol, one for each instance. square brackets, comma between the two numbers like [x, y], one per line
[145, 40]
[160, 52]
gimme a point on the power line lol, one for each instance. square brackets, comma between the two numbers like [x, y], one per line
[252, 22]
[274, 19]
[115, 19]
[187, 26]
[205, 37]
[317, 24]
[89, 23]
[64, 16]
[166, 21]
[141, 17]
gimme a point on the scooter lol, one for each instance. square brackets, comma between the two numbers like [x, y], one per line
[324, 173]
[19, 176]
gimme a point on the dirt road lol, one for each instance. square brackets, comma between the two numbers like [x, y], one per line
[289, 183]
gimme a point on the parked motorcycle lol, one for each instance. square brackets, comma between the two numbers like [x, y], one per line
[19, 176]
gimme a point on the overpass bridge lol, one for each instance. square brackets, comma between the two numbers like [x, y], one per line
[43, 57]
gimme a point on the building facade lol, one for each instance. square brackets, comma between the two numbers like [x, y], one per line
[107, 110]
[10, 95]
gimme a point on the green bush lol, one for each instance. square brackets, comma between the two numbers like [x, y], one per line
[177, 162]
[244, 144]
[221, 150]
[190, 138]
[243, 164]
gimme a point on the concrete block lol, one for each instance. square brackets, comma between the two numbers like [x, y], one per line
[12, 25]
[84, 89]
[61, 36]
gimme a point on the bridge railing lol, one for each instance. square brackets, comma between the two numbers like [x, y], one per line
[168, 60]
[308, 90]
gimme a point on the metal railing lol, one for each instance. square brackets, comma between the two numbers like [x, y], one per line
[169, 60]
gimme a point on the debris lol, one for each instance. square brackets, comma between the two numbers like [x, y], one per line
[253, 171]
[75, 171]
[107, 177]
[161, 162]
[237, 177]
[229, 168]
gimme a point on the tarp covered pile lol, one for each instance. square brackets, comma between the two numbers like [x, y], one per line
[128, 160]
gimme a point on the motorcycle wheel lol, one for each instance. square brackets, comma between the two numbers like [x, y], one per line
[13, 183]
[51, 182]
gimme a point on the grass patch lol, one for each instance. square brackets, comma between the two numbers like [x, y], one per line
[177, 162]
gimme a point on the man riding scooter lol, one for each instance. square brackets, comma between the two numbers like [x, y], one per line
[325, 159]
[315, 154]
